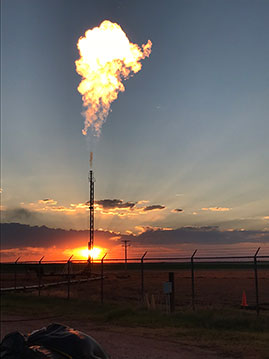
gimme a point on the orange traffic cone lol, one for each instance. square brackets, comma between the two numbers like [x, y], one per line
[244, 300]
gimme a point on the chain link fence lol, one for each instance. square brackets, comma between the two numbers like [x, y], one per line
[165, 283]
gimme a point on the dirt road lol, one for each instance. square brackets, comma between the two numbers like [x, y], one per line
[119, 343]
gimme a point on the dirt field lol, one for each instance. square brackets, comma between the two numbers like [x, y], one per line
[218, 288]
[119, 343]
[212, 288]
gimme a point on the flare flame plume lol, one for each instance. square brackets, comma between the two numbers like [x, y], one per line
[107, 58]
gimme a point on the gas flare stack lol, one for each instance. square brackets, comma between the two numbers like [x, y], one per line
[91, 207]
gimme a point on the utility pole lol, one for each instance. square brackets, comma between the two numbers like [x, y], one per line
[125, 244]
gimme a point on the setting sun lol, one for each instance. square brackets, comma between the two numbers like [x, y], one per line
[85, 253]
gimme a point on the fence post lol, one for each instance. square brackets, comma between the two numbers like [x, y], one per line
[172, 294]
[192, 280]
[102, 278]
[68, 277]
[15, 273]
[256, 281]
[142, 276]
[39, 275]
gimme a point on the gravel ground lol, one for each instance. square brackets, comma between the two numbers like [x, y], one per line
[119, 343]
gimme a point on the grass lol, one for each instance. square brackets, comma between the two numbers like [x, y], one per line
[231, 332]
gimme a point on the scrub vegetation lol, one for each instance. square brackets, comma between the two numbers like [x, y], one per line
[237, 333]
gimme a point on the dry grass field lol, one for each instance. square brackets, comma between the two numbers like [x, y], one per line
[214, 287]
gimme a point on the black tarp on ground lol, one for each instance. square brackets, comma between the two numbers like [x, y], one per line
[55, 342]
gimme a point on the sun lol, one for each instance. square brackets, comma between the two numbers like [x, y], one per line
[85, 253]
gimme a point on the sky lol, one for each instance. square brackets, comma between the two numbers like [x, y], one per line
[184, 148]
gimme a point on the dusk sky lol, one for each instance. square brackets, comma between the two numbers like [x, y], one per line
[184, 149]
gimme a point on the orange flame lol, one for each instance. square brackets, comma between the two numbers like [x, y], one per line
[107, 58]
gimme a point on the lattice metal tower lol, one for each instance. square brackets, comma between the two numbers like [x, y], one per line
[91, 207]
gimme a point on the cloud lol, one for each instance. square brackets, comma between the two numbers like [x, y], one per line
[103, 207]
[114, 204]
[80, 206]
[211, 235]
[24, 252]
[47, 201]
[153, 207]
[24, 240]
[118, 207]
[16, 235]
[216, 209]
[177, 210]
[116, 238]
[143, 201]
[18, 214]
[48, 205]
[142, 229]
